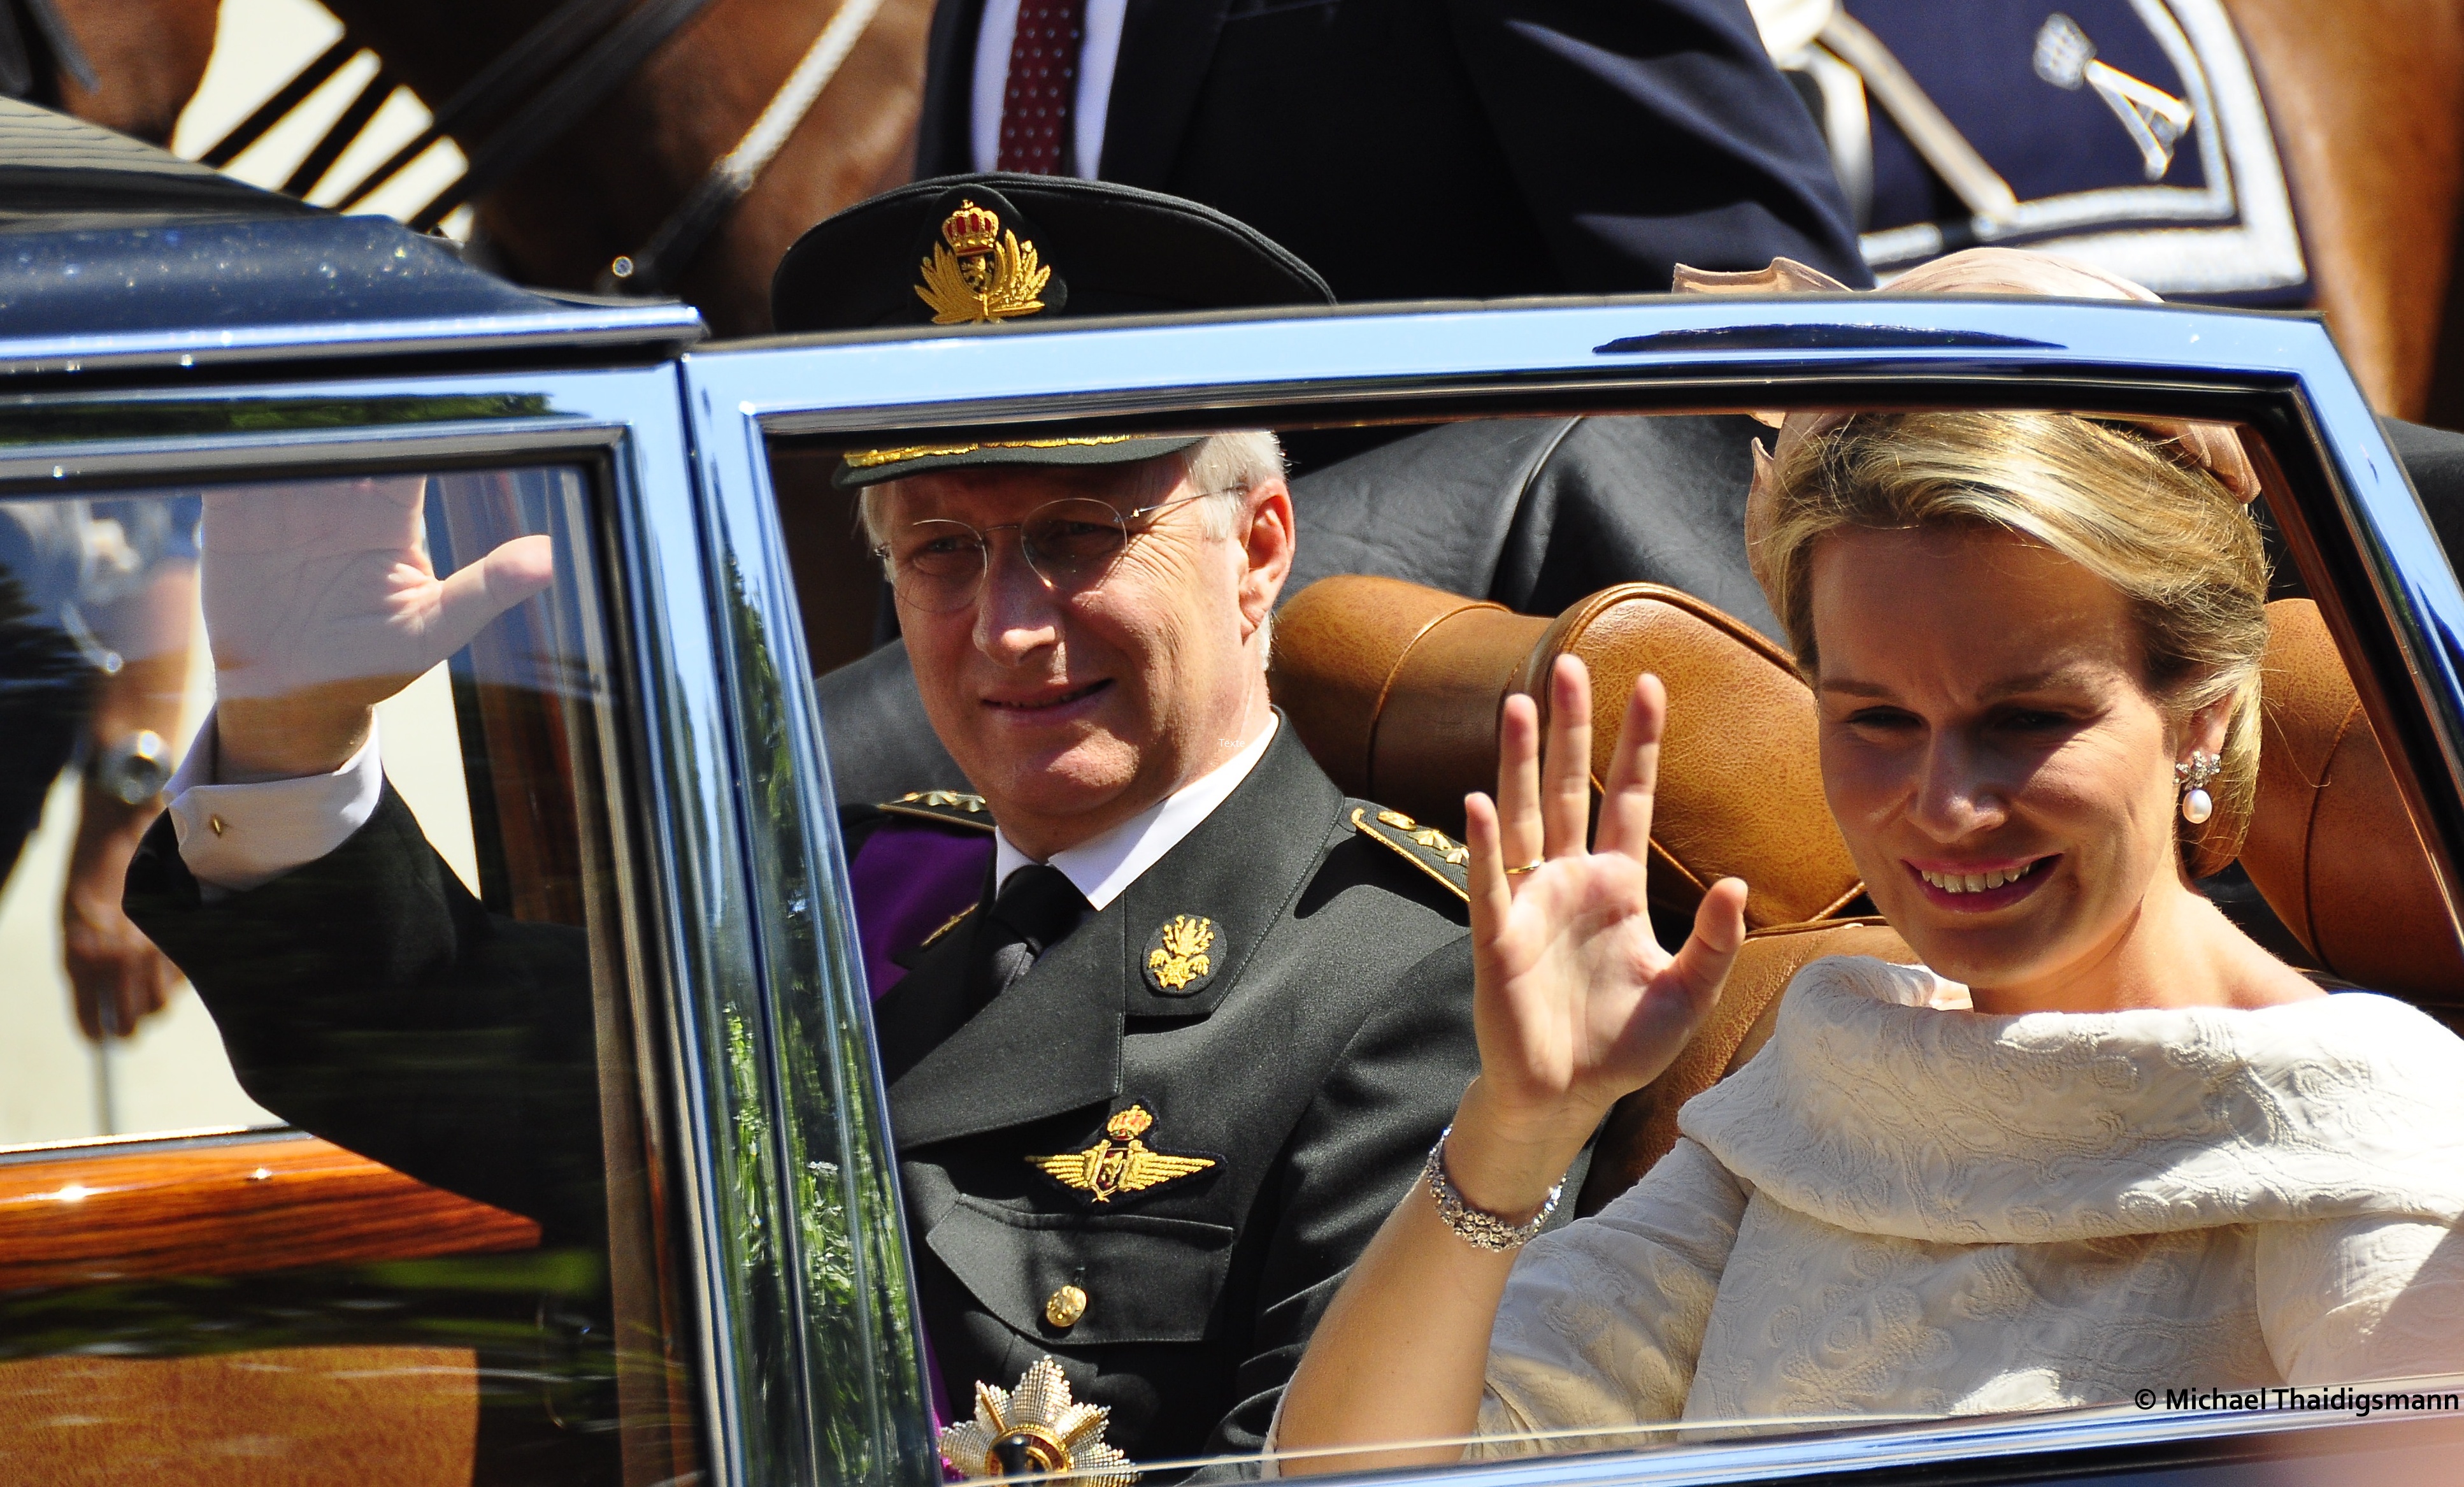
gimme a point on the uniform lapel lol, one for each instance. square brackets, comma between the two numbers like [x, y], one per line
[1052, 1042]
[1165, 48]
[1239, 871]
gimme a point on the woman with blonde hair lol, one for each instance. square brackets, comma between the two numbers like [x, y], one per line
[2100, 1142]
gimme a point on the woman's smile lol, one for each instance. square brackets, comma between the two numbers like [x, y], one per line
[1980, 887]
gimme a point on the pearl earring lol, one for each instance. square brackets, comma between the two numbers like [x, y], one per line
[2193, 777]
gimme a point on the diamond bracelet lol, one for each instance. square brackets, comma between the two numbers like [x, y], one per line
[1476, 1227]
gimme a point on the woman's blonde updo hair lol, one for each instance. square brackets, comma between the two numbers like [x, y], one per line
[2163, 532]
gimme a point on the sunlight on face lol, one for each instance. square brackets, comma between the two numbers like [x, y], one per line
[1079, 705]
[2002, 775]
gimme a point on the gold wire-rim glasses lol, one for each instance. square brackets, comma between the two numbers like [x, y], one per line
[1067, 555]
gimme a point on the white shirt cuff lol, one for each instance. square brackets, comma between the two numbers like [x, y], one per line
[235, 838]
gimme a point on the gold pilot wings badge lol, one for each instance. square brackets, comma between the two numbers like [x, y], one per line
[1121, 1162]
[979, 274]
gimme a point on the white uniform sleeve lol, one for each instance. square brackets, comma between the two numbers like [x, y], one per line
[235, 838]
[2347, 1301]
[1602, 1321]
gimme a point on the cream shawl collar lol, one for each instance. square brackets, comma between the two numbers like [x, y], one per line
[1879, 1107]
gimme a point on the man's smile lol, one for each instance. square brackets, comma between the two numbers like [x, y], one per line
[1048, 701]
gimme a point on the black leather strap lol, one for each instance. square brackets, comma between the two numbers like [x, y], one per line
[501, 86]
[34, 49]
[561, 104]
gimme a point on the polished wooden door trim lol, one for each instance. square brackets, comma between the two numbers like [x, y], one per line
[224, 1205]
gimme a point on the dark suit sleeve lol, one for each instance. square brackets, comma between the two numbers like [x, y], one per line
[368, 998]
[1655, 132]
[1357, 1151]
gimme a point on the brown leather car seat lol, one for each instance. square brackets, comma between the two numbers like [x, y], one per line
[1395, 690]
[2331, 845]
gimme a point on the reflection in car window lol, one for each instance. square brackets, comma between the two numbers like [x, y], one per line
[1744, 1267]
[363, 1176]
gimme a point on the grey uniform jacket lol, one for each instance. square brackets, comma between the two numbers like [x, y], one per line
[1308, 1066]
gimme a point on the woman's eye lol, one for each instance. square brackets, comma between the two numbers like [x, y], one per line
[2034, 721]
[1882, 720]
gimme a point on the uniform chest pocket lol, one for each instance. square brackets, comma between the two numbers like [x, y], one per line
[1146, 1279]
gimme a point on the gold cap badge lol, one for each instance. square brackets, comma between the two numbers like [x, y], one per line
[1179, 961]
[1121, 1162]
[979, 274]
[1035, 1429]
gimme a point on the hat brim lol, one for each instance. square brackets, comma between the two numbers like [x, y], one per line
[860, 467]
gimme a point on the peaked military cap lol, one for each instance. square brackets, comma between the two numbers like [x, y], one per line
[1007, 249]
[1011, 249]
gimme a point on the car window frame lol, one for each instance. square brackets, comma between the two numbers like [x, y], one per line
[2353, 522]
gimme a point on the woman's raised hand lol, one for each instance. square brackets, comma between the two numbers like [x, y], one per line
[1575, 1001]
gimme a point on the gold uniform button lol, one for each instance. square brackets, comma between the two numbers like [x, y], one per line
[1064, 1307]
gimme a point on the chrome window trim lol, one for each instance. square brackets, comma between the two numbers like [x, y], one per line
[658, 329]
[2047, 1438]
[2390, 594]
[826, 1072]
[32, 469]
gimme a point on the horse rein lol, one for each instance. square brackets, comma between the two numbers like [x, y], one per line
[32, 32]
[680, 238]
[561, 68]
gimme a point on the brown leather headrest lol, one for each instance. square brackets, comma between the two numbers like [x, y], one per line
[1396, 688]
[2331, 845]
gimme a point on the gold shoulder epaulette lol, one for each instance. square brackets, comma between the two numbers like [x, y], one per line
[1432, 850]
[952, 807]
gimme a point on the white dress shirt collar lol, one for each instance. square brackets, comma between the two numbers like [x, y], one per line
[1105, 867]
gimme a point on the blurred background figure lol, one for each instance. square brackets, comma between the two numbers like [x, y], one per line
[96, 617]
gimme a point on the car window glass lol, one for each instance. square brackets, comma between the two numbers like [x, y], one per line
[1526, 538]
[358, 1170]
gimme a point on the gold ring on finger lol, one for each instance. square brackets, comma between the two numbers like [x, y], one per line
[1533, 866]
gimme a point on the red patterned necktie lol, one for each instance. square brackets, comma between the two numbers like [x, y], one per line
[1042, 82]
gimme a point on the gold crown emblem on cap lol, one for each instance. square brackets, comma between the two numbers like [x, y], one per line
[979, 274]
[970, 231]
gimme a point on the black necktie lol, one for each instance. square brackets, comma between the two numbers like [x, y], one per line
[1036, 910]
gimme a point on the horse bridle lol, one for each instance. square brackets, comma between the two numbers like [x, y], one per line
[542, 85]
[33, 34]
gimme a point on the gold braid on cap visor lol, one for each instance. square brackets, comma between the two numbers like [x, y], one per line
[875, 458]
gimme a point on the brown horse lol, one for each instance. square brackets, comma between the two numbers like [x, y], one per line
[2366, 97]
[603, 188]
[149, 57]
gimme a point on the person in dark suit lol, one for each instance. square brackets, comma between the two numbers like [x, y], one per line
[1410, 149]
[1152, 1087]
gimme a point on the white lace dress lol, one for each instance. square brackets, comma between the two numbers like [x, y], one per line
[1901, 1206]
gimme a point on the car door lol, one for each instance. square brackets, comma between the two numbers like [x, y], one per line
[773, 419]
[348, 1207]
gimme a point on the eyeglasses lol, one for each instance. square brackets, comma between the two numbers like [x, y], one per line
[939, 566]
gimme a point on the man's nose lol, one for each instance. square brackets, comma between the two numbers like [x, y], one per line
[1017, 612]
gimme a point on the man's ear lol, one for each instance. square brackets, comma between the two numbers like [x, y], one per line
[1267, 536]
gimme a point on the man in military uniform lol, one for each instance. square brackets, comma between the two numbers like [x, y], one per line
[1193, 1030]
